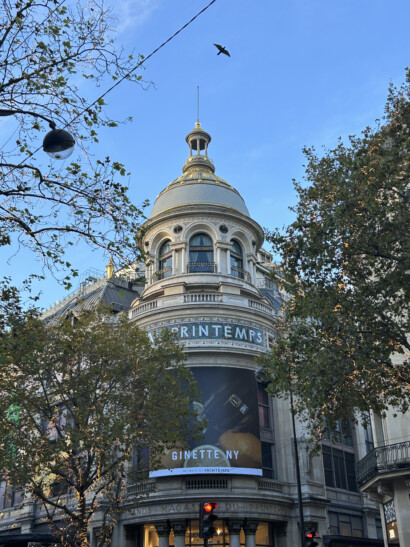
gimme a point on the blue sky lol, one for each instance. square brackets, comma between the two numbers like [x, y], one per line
[301, 72]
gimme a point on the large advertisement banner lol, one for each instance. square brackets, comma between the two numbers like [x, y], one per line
[228, 411]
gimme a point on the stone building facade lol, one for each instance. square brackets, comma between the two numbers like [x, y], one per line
[208, 278]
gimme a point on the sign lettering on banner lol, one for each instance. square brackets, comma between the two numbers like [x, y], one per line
[213, 330]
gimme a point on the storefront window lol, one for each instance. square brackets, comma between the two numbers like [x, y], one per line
[220, 539]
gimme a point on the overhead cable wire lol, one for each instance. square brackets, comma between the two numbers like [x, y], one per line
[117, 83]
[144, 59]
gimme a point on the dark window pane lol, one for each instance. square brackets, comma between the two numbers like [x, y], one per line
[263, 416]
[267, 461]
[339, 468]
[18, 496]
[267, 473]
[165, 249]
[357, 526]
[328, 466]
[379, 528]
[262, 395]
[345, 529]
[267, 455]
[200, 240]
[351, 472]
[333, 520]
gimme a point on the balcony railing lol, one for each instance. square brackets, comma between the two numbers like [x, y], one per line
[240, 273]
[201, 267]
[198, 299]
[384, 459]
[162, 274]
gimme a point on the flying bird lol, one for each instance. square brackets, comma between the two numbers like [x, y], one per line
[222, 50]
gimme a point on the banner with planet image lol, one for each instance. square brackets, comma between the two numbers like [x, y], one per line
[228, 411]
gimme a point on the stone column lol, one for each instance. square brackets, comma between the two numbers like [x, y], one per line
[118, 536]
[223, 257]
[178, 257]
[234, 529]
[401, 502]
[250, 527]
[250, 260]
[163, 530]
[179, 527]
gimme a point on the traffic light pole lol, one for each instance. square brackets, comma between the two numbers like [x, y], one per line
[298, 482]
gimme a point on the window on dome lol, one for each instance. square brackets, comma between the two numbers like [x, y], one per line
[201, 254]
[236, 260]
[164, 261]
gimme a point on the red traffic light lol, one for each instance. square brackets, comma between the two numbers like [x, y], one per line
[311, 535]
[209, 507]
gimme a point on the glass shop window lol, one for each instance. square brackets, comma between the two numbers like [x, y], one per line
[263, 536]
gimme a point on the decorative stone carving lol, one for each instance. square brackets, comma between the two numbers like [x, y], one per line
[250, 526]
[234, 526]
[163, 528]
[179, 527]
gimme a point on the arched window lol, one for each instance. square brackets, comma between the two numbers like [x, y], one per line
[165, 260]
[201, 254]
[236, 260]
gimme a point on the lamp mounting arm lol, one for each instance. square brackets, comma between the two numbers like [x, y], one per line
[8, 112]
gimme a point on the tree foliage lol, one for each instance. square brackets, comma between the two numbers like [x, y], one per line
[54, 56]
[78, 399]
[343, 337]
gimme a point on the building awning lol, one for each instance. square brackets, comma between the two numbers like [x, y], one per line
[349, 541]
[22, 540]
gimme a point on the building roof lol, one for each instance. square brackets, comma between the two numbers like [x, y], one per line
[115, 293]
[198, 185]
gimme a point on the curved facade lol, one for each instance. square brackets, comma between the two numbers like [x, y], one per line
[209, 280]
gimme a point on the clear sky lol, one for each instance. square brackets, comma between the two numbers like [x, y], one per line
[301, 72]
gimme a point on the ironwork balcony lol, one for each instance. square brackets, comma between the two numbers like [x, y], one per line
[384, 459]
[201, 267]
[240, 273]
[162, 274]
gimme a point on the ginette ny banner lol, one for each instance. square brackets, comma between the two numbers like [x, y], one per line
[228, 411]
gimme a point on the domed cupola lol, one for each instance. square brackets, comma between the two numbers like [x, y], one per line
[198, 185]
[198, 140]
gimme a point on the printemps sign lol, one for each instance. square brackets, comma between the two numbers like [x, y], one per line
[214, 330]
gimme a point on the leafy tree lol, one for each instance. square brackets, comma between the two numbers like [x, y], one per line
[78, 399]
[54, 55]
[343, 338]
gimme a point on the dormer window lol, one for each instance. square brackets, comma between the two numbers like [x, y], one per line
[201, 254]
[164, 261]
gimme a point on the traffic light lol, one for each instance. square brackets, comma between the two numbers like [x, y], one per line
[207, 518]
[310, 538]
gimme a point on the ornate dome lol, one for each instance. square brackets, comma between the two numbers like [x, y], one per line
[198, 185]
